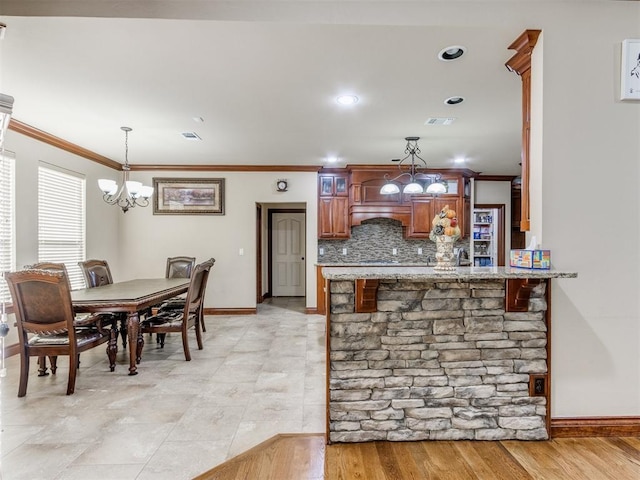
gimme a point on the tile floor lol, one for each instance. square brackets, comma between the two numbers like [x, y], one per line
[257, 376]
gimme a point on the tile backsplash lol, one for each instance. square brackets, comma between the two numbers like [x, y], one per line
[375, 241]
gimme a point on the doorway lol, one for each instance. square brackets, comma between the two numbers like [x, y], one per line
[281, 251]
[499, 225]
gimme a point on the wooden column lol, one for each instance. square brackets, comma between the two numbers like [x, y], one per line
[520, 63]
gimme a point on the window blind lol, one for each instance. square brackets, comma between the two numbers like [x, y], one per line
[61, 221]
[7, 220]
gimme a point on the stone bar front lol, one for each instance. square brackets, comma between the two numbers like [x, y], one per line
[460, 356]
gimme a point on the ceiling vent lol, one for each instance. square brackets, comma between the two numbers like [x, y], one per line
[440, 121]
[191, 136]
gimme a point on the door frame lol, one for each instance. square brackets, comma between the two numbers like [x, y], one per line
[501, 212]
[259, 296]
[270, 245]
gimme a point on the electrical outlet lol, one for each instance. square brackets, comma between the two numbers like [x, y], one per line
[394, 251]
[538, 386]
[321, 251]
[419, 250]
[241, 252]
[344, 251]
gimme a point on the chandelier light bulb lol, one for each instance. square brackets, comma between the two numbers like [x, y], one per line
[107, 185]
[412, 187]
[133, 187]
[389, 189]
[436, 187]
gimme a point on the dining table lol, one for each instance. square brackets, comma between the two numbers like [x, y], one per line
[131, 297]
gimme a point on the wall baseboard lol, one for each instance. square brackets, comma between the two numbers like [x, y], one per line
[595, 427]
[311, 311]
[230, 311]
[12, 350]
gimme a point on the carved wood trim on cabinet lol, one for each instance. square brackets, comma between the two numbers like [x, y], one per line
[321, 295]
[518, 293]
[520, 63]
[366, 294]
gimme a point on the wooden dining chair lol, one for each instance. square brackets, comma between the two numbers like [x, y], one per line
[96, 274]
[60, 267]
[166, 321]
[179, 267]
[47, 325]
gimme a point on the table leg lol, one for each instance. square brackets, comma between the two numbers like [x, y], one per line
[133, 326]
[112, 347]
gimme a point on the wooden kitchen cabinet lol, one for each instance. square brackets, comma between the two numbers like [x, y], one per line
[424, 208]
[348, 197]
[333, 206]
[333, 185]
[421, 216]
[333, 217]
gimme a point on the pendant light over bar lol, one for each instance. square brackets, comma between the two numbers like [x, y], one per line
[433, 182]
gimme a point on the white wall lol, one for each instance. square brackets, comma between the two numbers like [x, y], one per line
[589, 137]
[152, 238]
[493, 192]
[137, 243]
[102, 221]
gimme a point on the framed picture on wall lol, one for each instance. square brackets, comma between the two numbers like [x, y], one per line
[630, 70]
[188, 196]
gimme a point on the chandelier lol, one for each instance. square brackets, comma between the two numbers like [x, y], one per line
[130, 193]
[433, 182]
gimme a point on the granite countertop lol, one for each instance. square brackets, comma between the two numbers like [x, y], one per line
[386, 271]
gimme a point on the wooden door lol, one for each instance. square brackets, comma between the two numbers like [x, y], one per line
[288, 254]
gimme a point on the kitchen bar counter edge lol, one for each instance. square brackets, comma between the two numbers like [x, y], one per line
[405, 272]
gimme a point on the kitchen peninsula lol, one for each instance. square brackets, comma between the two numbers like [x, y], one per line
[416, 354]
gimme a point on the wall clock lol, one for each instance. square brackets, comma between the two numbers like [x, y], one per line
[281, 185]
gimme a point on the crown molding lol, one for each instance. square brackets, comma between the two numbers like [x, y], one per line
[20, 127]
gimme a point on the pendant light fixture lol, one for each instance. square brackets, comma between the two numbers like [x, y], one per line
[130, 193]
[434, 183]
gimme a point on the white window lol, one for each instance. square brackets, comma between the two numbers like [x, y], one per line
[61, 220]
[7, 220]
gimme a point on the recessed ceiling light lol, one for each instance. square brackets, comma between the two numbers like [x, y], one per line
[331, 159]
[451, 53]
[454, 100]
[459, 160]
[347, 99]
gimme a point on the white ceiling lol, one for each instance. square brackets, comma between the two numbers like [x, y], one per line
[265, 89]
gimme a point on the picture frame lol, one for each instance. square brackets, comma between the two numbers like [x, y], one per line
[630, 70]
[188, 196]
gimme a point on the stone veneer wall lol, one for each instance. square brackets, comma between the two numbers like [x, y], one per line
[374, 240]
[438, 361]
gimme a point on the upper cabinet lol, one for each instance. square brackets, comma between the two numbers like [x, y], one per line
[333, 205]
[333, 185]
[347, 197]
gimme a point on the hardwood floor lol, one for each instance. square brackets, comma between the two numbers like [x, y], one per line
[306, 457]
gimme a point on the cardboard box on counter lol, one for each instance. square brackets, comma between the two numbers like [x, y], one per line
[537, 259]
